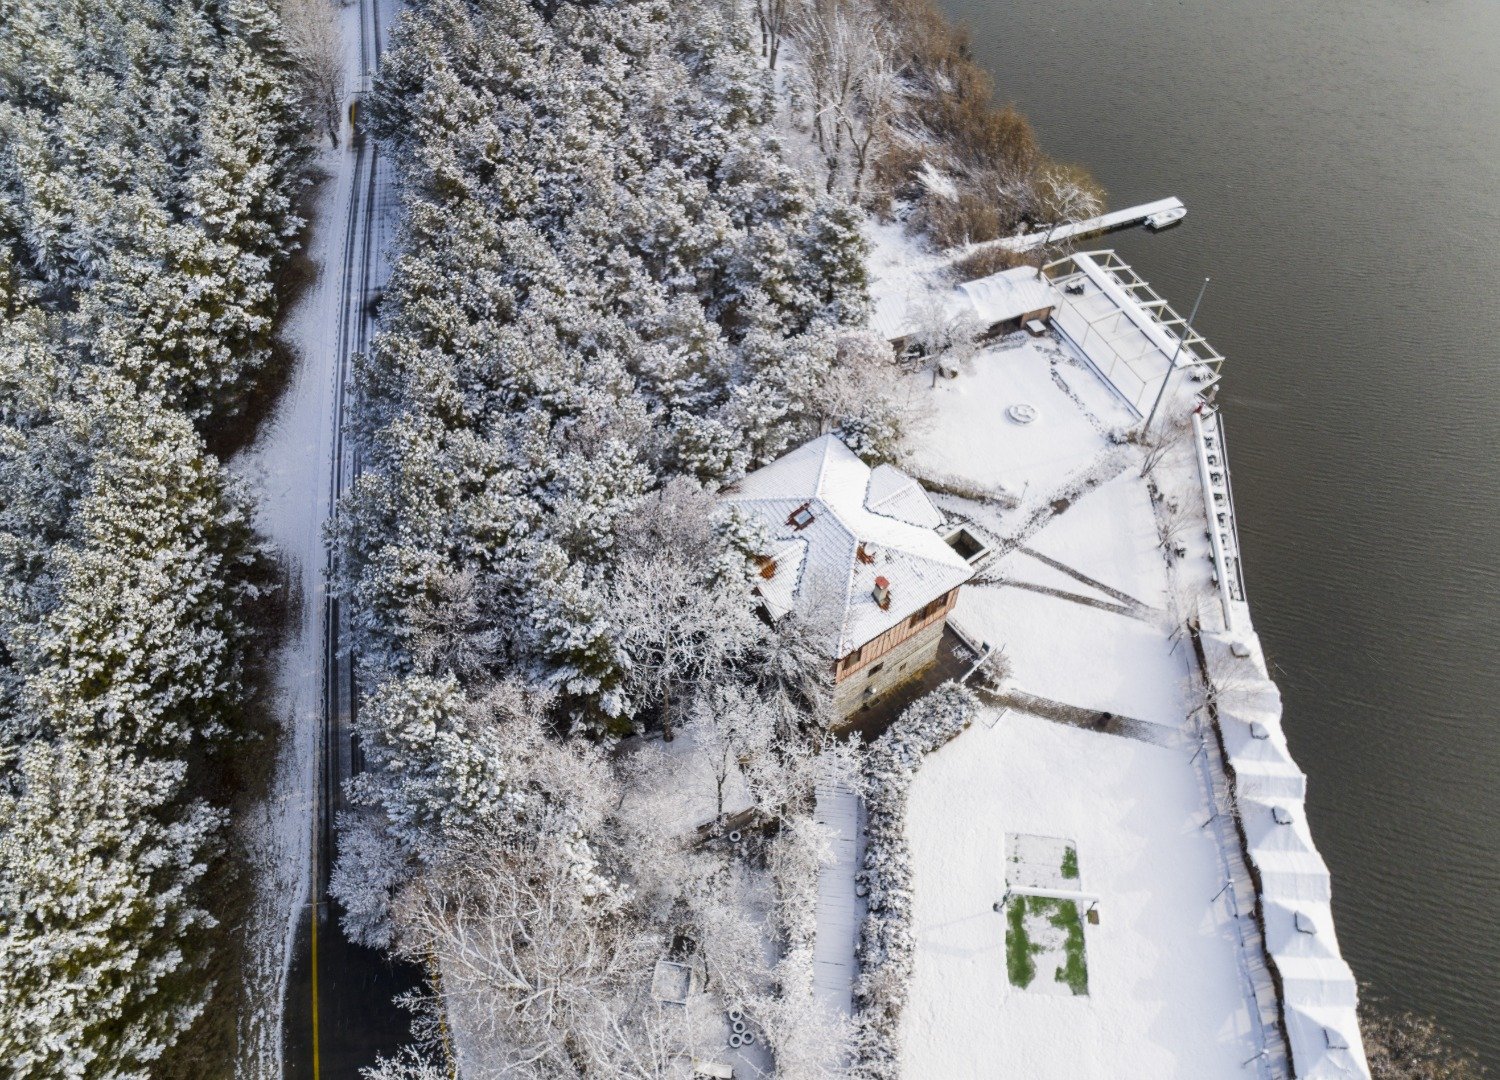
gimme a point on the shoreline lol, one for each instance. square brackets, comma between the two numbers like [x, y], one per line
[1294, 976]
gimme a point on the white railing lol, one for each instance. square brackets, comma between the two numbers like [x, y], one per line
[1218, 504]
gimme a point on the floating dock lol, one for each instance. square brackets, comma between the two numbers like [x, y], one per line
[1104, 223]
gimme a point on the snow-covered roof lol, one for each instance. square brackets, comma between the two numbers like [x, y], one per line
[1008, 294]
[837, 525]
[986, 301]
[894, 494]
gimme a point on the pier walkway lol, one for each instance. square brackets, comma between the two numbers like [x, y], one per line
[1104, 223]
[1218, 502]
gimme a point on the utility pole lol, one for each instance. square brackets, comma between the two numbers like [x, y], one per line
[1172, 364]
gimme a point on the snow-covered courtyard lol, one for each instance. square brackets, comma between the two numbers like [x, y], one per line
[1079, 603]
[1163, 983]
[973, 436]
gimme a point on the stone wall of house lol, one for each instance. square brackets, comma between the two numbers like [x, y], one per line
[906, 660]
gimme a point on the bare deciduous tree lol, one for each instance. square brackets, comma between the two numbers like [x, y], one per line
[855, 91]
[675, 628]
[311, 30]
[1174, 521]
[1064, 195]
[729, 728]
[774, 16]
[873, 111]
[1160, 443]
[542, 981]
[793, 670]
[866, 398]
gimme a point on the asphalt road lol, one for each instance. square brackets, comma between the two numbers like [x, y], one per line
[339, 1013]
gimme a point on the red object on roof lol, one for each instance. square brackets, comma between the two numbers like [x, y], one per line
[882, 583]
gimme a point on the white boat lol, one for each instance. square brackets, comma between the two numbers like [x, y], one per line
[1165, 219]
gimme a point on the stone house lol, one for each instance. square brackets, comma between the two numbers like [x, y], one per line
[863, 555]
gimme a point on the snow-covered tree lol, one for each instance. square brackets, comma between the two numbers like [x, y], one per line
[441, 768]
[182, 315]
[1064, 195]
[674, 630]
[543, 981]
[317, 48]
[612, 294]
[148, 159]
[142, 645]
[98, 917]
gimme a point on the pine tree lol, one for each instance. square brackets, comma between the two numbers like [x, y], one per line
[98, 866]
[141, 646]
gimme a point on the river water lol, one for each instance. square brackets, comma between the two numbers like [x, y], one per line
[1340, 160]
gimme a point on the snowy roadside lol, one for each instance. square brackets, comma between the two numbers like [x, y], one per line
[288, 470]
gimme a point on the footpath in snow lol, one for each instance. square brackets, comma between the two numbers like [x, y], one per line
[839, 910]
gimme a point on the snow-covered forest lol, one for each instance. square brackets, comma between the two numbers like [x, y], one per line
[150, 155]
[612, 295]
[631, 267]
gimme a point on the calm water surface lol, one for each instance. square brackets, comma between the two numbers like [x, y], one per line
[1341, 164]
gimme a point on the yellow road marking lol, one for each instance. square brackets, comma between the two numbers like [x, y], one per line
[315, 990]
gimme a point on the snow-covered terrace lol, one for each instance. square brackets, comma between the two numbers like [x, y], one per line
[1177, 834]
[1319, 995]
[1077, 602]
[1126, 330]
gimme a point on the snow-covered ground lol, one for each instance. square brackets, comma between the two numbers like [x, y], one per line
[906, 277]
[1075, 652]
[1081, 610]
[1164, 996]
[974, 435]
[1080, 655]
[288, 469]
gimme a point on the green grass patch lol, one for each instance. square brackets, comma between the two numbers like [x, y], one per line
[1075, 970]
[1030, 922]
[1019, 963]
[1070, 863]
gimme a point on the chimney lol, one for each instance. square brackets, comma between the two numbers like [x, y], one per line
[882, 593]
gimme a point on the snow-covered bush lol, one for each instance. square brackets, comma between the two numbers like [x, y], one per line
[886, 945]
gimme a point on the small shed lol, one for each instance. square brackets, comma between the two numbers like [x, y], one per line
[993, 305]
[1010, 299]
